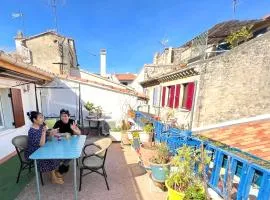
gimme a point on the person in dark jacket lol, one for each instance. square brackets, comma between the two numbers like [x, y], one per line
[66, 125]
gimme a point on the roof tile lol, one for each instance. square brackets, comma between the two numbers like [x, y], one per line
[252, 137]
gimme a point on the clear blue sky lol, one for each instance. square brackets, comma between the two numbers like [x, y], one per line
[129, 29]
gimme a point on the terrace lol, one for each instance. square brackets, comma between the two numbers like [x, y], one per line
[129, 180]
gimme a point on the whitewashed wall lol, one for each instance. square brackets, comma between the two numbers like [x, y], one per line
[114, 103]
[9, 132]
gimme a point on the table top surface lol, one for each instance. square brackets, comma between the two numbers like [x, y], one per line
[70, 148]
[95, 119]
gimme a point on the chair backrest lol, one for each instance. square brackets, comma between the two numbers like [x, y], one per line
[20, 143]
[50, 122]
[104, 144]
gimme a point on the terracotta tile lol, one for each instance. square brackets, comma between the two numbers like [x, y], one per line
[251, 137]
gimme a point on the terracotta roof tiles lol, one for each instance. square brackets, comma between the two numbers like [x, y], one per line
[252, 137]
[125, 77]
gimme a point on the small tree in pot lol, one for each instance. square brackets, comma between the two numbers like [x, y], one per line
[183, 183]
[90, 108]
[160, 163]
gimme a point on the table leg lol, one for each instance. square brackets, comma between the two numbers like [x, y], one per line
[75, 180]
[89, 130]
[37, 179]
[99, 129]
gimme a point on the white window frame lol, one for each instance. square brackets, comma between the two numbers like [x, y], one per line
[1, 114]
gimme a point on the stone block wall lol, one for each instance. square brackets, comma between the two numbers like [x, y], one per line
[235, 84]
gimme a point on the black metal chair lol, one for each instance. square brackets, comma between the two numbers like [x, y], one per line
[20, 143]
[95, 162]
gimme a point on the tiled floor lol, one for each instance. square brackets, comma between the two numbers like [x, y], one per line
[127, 181]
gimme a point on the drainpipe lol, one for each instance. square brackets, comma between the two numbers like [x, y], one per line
[36, 98]
[159, 103]
[193, 105]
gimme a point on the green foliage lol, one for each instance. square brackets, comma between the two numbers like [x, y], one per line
[135, 134]
[162, 155]
[238, 36]
[116, 129]
[148, 128]
[184, 179]
[195, 191]
[89, 107]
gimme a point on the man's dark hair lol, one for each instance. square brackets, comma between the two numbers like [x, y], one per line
[63, 111]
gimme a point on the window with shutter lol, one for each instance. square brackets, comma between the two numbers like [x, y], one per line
[177, 96]
[163, 96]
[17, 107]
[171, 96]
[154, 97]
[188, 95]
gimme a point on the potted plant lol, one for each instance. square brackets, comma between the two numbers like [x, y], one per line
[183, 183]
[147, 135]
[98, 110]
[124, 135]
[90, 108]
[160, 163]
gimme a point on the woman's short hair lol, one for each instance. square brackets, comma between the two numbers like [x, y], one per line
[33, 115]
[63, 111]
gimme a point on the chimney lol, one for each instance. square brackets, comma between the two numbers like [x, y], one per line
[18, 42]
[103, 62]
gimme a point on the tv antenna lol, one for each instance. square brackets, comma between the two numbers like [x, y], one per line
[19, 15]
[164, 43]
[53, 5]
[235, 4]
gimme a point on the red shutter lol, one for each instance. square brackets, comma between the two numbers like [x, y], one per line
[163, 96]
[172, 92]
[177, 96]
[17, 106]
[190, 93]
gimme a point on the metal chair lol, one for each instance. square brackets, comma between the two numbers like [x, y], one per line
[20, 143]
[96, 161]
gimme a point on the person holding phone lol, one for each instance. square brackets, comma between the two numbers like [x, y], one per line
[66, 125]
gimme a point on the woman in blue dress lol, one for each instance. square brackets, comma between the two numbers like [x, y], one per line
[36, 139]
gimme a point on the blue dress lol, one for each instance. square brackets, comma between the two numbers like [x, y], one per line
[34, 136]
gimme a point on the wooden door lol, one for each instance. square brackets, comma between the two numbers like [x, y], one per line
[17, 107]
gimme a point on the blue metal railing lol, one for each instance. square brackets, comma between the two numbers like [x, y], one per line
[249, 179]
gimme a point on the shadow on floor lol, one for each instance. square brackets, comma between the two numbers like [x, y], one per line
[9, 189]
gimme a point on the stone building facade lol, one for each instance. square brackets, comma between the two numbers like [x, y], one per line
[235, 84]
[49, 51]
[230, 84]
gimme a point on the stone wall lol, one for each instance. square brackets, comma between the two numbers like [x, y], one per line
[45, 51]
[235, 84]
